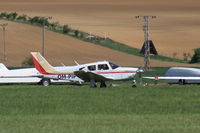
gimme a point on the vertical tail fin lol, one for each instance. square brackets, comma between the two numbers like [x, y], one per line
[41, 64]
[3, 67]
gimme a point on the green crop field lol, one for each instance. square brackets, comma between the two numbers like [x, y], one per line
[80, 109]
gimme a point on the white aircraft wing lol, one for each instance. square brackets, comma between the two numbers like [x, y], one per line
[21, 76]
[87, 76]
[173, 77]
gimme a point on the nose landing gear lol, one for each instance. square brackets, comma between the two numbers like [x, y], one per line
[134, 84]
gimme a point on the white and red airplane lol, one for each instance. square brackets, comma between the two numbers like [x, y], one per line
[101, 71]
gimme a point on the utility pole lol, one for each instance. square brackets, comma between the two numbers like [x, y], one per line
[4, 40]
[105, 35]
[43, 41]
[146, 40]
[43, 35]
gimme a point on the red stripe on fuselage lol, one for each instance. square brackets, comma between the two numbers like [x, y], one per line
[116, 72]
[96, 73]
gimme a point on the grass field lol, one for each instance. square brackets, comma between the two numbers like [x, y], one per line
[80, 109]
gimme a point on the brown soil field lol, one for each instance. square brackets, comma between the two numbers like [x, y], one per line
[22, 39]
[174, 31]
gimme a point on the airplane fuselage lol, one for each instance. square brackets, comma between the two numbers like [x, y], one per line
[109, 72]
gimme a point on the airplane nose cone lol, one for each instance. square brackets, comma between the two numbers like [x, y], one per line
[140, 70]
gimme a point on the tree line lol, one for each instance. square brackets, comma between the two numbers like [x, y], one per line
[39, 21]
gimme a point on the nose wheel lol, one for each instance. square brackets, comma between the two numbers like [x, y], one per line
[103, 84]
[134, 84]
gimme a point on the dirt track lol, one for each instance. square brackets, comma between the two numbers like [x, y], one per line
[176, 29]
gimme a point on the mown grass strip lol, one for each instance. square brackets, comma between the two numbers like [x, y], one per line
[59, 99]
[170, 123]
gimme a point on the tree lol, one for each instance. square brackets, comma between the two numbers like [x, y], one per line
[4, 15]
[34, 20]
[196, 56]
[66, 29]
[39, 20]
[76, 32]
[13, 15]
[22, 17]
[54, 25]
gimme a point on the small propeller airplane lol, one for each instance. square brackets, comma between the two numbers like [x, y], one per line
[101, 71]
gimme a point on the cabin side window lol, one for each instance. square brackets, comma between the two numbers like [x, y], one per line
[103, 67]
[92, 68]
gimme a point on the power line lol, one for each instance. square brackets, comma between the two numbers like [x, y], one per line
[146, 40]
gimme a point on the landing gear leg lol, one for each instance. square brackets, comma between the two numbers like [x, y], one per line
[134, 84]
[92, 83]
[181, 81]
[103, 84]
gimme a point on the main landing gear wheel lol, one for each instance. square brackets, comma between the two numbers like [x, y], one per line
[103, 85]
[45, 82]
[93, 83]
[181, 81]
[134, 86]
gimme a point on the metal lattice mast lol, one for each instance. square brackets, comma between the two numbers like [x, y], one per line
[146, 40]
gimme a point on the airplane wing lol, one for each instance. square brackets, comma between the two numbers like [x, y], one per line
[87, 76]
[173, 77]
[19, 76]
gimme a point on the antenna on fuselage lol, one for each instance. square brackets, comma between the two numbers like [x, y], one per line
[76, 62]
[62, 64]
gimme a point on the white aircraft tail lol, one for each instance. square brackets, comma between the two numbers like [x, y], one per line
[41, 64]
[3, 67]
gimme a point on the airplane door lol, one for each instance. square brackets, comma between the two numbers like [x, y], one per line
[105, 70]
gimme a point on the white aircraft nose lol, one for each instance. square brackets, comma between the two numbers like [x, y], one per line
[140, 70]
[131, 69]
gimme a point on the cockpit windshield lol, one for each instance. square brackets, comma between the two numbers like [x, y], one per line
[114, 66]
